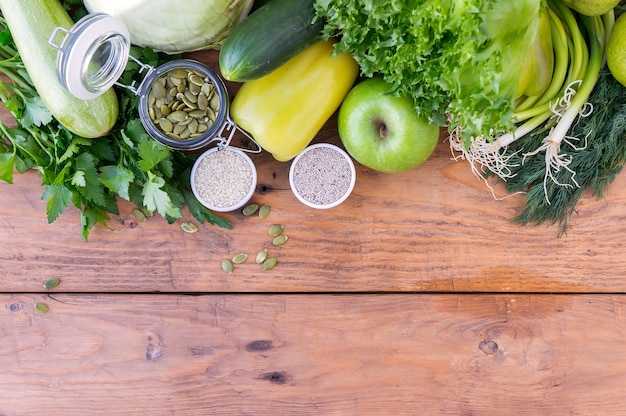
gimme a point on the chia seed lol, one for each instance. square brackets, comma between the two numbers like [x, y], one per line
[223, 178]
[322, 176]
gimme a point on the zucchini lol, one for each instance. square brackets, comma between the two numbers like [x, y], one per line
[268, 38]
[31, 22]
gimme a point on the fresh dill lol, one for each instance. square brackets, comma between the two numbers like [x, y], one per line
[595, 159]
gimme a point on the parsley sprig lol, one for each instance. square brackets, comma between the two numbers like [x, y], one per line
[92, 174]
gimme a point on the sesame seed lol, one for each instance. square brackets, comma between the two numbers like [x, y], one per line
[223, 178]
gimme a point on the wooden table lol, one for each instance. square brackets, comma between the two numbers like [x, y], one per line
[417, 296]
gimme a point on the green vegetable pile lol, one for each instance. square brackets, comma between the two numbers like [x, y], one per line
[594, 152]
[92, 174]
[520, 85]
[596, 162]
[458, 60]
[569, 140]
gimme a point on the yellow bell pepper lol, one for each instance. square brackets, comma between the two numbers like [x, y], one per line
[284, 110]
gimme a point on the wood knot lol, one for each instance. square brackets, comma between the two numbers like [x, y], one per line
[488, 347]
[13, 307]
[259, 345]
[276, 377]
[155, 348]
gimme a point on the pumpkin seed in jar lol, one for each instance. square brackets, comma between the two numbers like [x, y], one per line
[175, 81]
[190, 96]
[158, 90]
[210, 114]
[214, 102]
[177, 116]
[179, 73]
[196, 79]
[189, 103]
[179, 96]
[206, 88]
[178, 129]
[166, 125]
[195, 89]
[185, 134]
[203, 102]
[193, 126]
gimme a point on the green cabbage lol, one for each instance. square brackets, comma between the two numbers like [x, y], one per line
[459, 60]
[175, 26]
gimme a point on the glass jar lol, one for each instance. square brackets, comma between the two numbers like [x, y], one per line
[92, 56]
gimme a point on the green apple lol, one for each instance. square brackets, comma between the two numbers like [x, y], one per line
[382, 131]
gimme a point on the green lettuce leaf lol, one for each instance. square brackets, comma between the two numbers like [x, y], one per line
[459, 60]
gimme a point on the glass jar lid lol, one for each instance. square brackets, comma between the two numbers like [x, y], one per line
[92, 54]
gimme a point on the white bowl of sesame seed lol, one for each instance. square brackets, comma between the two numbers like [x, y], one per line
[322, 176]
[223, 180]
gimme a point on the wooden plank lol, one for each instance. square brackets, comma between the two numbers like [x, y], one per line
[436, 228]
[433, 229]
[297, 354]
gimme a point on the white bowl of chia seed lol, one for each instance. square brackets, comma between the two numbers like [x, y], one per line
[223, 180]
[322, 176]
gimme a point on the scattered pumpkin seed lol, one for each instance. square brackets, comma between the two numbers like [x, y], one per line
[261, 256]
[240, 258]
[51, 283]
[189, 227]
[275, 230]
[269, 263]
[147, 212]
[139, 215]
[280, 240]
[41, 307]
[227, 266]
[264, 211]
[250, 209]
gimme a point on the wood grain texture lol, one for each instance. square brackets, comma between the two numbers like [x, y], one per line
[432, 229]
[313, 355]
[436, 228]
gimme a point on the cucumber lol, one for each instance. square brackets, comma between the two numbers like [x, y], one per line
[31, 22]
[268, 38]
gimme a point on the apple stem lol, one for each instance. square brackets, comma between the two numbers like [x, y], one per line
[382, 130]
